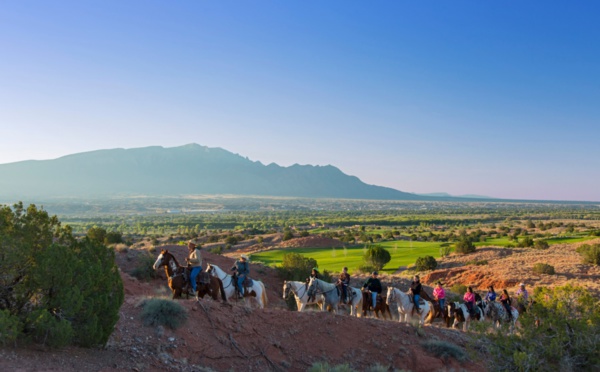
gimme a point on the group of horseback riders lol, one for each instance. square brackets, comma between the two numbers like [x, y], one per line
[241, 269]
[372, 285]
[470, 301]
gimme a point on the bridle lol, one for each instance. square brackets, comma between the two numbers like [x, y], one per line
[211, 270]
[317, 289]
[289, 288]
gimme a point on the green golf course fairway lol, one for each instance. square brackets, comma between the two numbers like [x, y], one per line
[404, 253]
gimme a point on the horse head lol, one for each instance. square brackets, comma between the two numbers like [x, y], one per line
[163, 259]
[286, 289]
[209, 268]
[391, 295]
[313, 284]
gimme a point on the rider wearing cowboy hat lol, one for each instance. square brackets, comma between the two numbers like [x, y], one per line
[243, 269]
[194, 261]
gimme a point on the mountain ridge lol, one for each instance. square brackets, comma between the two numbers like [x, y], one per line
[187, 169]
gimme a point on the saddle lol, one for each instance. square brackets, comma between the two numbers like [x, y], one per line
[203, 278]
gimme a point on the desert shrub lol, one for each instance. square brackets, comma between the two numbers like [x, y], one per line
[445, 350]
[45, 328]
[168, 313]
[425, 263]
[216, 250]
[477, 262]
[541, 244]
[295, 266]
[144, 270]
[63, 291]
[113, 237]
[233, 240]
[445, 249]
[96, 234]
[121, 248]
[325, 367]
[10, 327]
[376, 256]
[542, 268]
[287, 235]
[525, 242]
[567, 338]
[304, 233]
[459, 288]
[590, 253]
[366, 269]
[464, 246]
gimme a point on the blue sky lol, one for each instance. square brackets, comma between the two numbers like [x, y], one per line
[491, 98]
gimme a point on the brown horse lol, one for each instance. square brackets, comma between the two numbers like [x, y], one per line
[177, 274]
[381, 305]
[436, 311]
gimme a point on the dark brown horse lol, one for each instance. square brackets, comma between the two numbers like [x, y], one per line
[381, 306]
[177, 274]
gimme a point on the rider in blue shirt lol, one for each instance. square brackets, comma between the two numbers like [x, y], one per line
[243, 269]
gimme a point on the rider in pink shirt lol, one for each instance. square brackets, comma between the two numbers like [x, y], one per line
[469, 299]
[440, 295]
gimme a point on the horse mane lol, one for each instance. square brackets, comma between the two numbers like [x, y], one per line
[166, 252]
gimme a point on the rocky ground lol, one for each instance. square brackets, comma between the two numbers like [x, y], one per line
[507, 267]
[238, 336]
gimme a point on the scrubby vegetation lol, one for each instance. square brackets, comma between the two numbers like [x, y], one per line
[143, 269]
[542, 268]
[590, 253]
[425, 263]
[376, 257]
[54, 289]
[561, 331]
[445, 350]
[168, 313]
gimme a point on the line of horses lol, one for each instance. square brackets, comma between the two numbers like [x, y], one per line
[215, 282]
[328, 296]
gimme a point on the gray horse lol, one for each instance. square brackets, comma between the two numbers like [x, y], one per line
[328, 290]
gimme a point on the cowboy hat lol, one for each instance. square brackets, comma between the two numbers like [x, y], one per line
[522, 285]
[244, 257]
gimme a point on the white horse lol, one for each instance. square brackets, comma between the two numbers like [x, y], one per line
[357, 299]
[300, 292]
[497, 314]
[405, 306]
[257, 290]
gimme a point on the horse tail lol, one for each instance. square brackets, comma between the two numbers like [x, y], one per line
[264, 294]
[431, 314]
[222, 289]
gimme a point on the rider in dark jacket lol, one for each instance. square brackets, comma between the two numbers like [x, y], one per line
[374, 286]
[415, 289]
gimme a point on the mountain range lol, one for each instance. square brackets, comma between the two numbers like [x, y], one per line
[184, 170]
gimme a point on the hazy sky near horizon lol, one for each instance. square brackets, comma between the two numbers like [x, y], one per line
[489, 98]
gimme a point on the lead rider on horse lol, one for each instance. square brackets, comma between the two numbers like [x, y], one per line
[194, 261]
[242, 269]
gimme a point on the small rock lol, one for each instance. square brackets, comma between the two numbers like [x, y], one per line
[171, 339]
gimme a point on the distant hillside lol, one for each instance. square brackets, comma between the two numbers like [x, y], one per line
[446, 195]
[189, 169]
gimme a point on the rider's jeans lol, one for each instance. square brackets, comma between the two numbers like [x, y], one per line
[193, 274]
[240, 283]
[374, 294]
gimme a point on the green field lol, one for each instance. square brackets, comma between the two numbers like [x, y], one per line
[404, 253]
